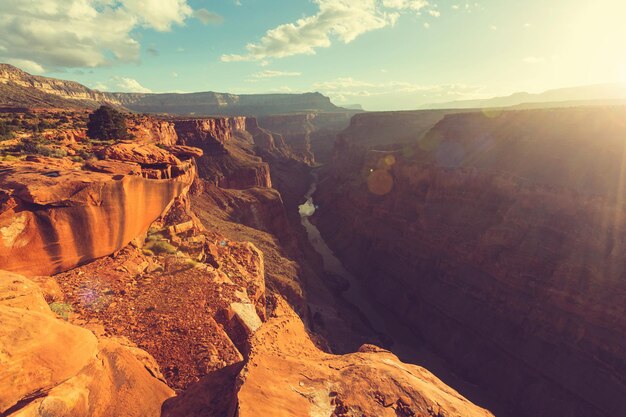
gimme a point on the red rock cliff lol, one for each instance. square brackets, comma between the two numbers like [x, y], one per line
[229, 159]
[149, 129]
[54, 218]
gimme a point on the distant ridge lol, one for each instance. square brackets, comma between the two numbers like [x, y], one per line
[601, 94]
[21, 89]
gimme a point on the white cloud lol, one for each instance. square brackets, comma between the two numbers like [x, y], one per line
[156, 14]
[82, 33]
[427, 25]
[130, 85]
[207, 17]
[493, 27]
[100, 86]
[121, 84]
[468, 7]
[434, 13]
[415, 5]
[26, 65]
[273, 74]
[342, 20]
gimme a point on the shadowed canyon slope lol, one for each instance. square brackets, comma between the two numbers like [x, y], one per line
[499, 239]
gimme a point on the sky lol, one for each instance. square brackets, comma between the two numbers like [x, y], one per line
[382, 54]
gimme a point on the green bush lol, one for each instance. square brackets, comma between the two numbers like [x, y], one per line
[6, 130]
[106, 123]
[159, 247]
[62, 310]
[37, 146]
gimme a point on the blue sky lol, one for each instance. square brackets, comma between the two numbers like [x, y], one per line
[383, 54]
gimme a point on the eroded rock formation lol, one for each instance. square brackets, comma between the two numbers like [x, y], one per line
[54, 218]
[228, 160]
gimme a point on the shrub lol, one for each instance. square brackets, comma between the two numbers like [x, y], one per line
[62, 310]
[37, 146]
[159, 247]
[6, 131]
[107, 123]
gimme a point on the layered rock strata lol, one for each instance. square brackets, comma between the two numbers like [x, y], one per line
[55, 218]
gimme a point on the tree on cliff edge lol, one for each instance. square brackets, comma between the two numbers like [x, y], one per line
[107, 123]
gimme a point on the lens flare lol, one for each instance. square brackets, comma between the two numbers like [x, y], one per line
[380, 182]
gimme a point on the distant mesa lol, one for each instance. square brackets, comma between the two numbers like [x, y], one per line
[21, 89]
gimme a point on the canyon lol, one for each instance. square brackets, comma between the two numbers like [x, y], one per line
[320, 263]
[169, 266]
[498, 238]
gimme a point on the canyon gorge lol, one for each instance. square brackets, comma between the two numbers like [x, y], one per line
[232, 261]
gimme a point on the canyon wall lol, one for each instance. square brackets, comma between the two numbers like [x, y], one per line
[500, 240]
[310, 135]
[229, 160]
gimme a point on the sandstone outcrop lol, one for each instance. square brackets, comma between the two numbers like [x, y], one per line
[287, 375]
[497, 239]
[55, 218]
[50, 367]
[148, 154]
[150, 129]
